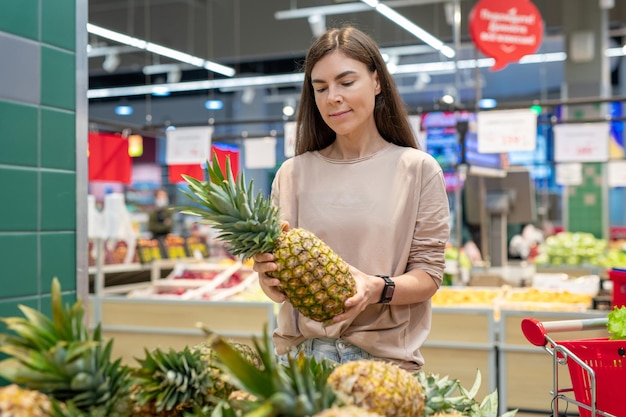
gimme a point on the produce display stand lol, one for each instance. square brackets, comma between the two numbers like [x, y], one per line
[137, 323]
[525, 373]
[462, 341]
[596, 366]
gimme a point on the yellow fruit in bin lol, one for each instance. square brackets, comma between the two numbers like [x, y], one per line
[543, 296]
[450, 297]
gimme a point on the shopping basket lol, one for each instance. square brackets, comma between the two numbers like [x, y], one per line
[597, 366]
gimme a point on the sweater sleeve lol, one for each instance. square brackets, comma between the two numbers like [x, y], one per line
[432, 228]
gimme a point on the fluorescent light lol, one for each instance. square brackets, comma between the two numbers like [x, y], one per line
[280, 79]
[487, 103]
[124, 110]
[160, 91]
[411, 27]
[160, 50]
[116, 36]
[214, 104]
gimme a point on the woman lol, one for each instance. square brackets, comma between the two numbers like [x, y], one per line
[360, 184]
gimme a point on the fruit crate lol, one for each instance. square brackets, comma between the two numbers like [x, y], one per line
[597, 366]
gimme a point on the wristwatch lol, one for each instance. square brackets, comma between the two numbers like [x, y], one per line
[390, 287]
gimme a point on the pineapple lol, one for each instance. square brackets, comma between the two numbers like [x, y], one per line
[19, 402]
[347, 411]
[167, 383]
[314, 279]
[378, 386]
[296, 390]
[59, 357]
[221, 387]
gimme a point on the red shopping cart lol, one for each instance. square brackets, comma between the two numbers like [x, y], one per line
[597, 366]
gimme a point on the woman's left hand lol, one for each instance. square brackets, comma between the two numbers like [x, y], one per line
[365, 295]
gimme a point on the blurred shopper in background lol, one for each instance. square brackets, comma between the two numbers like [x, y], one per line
[160, 220]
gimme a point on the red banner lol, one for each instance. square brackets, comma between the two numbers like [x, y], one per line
[108, 158]
[176, 172]
[197, 170]
[223, 153]
[506, 30]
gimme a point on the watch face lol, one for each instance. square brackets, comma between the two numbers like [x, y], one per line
[389, 289]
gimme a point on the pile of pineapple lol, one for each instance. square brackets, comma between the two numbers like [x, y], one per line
[56, 367]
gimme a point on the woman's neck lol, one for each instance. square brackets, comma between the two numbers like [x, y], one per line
[346, 148]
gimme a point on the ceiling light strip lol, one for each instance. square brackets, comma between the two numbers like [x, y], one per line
[291, 79]
[411, 27]
[160, 50]
[274, 80]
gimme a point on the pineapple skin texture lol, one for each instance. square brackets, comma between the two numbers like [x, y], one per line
[348, 411]
[314, 279]
[379, 387]
[19, 402]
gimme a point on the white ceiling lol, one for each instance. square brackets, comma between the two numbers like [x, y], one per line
[247, 35]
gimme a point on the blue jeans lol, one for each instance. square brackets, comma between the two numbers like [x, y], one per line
[336, 350]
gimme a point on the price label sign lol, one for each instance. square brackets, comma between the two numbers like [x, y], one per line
[188, 145]
[506, 131]
[569, 174]
[581, 142]
[617, 173]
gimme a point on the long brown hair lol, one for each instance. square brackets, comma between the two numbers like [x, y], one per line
[390, 111]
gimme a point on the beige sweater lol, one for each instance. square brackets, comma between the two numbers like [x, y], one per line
[385, 214]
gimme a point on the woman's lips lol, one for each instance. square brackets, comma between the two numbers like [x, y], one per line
[339, 114]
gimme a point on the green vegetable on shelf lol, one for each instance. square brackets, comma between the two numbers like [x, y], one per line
[616, 324]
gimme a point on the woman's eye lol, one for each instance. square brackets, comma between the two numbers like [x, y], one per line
[320, 90]
[348, 83]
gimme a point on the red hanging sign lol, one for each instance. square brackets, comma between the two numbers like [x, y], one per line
[197, 170]
[108, 158]
[506, 30]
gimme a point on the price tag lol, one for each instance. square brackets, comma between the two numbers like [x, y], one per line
[506, 131]
[569, 174]
[581, 142]
[188, 145]
[617, 173]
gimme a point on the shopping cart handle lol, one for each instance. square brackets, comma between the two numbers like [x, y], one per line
[536, 331]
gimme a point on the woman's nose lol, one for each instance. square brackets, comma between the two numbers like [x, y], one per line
[334, 95]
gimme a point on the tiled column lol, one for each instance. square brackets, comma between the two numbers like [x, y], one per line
[43, 158]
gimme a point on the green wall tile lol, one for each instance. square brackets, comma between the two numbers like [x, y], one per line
[20, 17]
[58, 78]
[19, 277]
[58, 139]
[58, 259]
[58, 201]
[58, 23]
[19, 210]
[18, 134]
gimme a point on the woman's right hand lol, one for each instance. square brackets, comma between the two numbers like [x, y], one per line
[263, 263]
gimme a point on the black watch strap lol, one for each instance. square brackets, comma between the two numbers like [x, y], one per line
[388, 290]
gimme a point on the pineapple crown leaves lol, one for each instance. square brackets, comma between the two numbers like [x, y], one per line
[59, 357]
[298, 389]
[244, 375]
[444, 394]
[38, 332]
[248, 225]
[172, 379]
